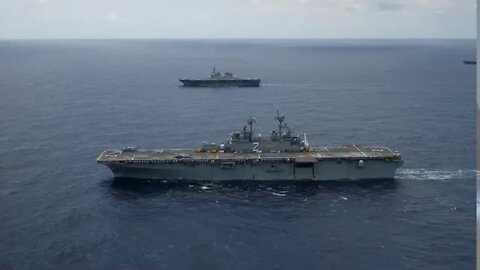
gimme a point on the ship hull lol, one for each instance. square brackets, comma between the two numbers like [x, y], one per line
[323, 170]
[221, 83]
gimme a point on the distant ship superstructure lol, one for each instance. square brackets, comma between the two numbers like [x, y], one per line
[247, 156]
[217, 79]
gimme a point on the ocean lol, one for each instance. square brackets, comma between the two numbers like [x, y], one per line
[62, 102]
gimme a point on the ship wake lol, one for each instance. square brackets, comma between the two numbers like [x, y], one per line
[442, 175]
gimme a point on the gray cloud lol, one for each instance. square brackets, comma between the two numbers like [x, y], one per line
[389, 6]
[236, 18]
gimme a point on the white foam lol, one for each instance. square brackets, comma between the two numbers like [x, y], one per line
[425, 174]
[478, 210]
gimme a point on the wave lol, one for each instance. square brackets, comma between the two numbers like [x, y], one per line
[288, 84]
[426, 174]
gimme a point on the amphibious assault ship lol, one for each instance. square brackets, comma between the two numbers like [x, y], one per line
[247, 156]
[217, 79]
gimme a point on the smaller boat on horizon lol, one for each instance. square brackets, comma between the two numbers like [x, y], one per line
[469, 62]
[218, 79]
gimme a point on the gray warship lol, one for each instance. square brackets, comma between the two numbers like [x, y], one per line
[218, 79]
[247, 156]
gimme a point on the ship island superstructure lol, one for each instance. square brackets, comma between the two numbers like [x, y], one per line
[247, 156]
[218, 79]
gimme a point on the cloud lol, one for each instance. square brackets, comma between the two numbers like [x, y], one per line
[356, 5]
[237, 18]
[112, 16]
[388, 6]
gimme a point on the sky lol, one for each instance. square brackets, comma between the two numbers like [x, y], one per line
[37, 19]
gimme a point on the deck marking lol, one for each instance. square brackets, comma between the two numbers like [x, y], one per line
[359, 150]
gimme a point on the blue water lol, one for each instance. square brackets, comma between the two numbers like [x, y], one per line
[63, 102]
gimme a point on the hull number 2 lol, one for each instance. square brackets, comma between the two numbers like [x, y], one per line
[255, 147]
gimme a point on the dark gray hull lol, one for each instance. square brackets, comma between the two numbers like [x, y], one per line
[340, 163]
[327, 170]
[221, 83]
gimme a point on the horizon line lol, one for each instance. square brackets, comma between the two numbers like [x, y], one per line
[246, 38]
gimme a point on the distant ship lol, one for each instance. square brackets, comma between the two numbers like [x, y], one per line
[470, 62]
[218, 79]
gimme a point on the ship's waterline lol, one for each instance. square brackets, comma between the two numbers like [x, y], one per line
[220, 83]
[259, 170]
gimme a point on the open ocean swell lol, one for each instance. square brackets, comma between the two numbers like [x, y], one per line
[63, 102]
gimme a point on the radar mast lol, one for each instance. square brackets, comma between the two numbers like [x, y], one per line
[281, 124]
[250, 123]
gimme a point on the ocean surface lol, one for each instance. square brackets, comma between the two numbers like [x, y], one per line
[63, 102]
